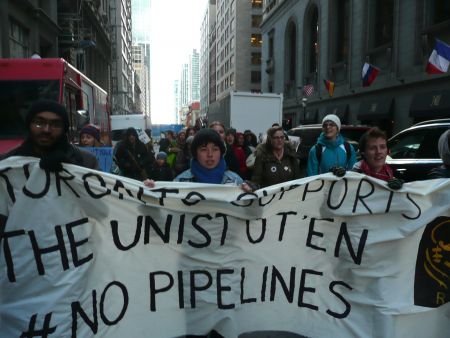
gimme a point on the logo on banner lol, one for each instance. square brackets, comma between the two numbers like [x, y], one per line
[432, 279]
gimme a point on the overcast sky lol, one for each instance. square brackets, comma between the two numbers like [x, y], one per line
[175, 32]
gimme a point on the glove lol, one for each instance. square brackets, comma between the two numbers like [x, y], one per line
[395, 183]
[53, 161]
[338, 171]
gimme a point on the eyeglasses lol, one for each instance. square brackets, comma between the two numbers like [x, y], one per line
[51, 124]
[326, 125]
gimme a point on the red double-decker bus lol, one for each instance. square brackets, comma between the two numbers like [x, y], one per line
[23, 81]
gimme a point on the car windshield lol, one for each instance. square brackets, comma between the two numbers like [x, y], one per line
[416, 144]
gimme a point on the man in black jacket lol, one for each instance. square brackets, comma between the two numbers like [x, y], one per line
[47, 123]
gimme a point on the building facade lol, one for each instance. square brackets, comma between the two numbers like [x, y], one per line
[194, 73]
[238, 42]
[122, 86]
[307, 42]
[208, 26]
[141, 11]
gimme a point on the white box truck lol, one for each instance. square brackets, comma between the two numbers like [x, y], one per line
[120, 123]
[244, 110]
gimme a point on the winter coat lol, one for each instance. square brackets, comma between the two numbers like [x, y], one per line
[72, 154]
[133, 160]
[229, 177]
[161, 173]
[333, 155]
[268, 170]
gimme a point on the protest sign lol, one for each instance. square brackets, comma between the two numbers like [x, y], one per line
[104, 157]
[87, 254]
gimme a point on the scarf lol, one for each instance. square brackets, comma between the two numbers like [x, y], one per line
[384, 174]
[204, 175]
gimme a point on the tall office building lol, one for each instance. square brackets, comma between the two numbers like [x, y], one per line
[208, 26]
[184, 85]
[141, 50]
[194, 75]
[122, 86]
[237, 49]
[176, 95]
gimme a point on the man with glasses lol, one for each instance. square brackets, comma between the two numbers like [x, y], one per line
[332, 152]
[47, 123]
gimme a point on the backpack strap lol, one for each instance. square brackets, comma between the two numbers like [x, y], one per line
[319, 149]
[348, 150]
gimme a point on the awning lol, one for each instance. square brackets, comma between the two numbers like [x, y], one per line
[340, 110]
[432, 105]
[377, 109]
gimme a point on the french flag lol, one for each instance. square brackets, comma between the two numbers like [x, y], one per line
[439, 58]
[369, 73]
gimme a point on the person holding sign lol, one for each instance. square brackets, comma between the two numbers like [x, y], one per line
[331, 152]
[373, 149]
[132, 156]
[47, 122]
[208, 164]
[90, 136]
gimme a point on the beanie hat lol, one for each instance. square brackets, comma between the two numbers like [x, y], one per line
[132, 131]
[161, 155]
[42, 105]
[333, 118]
[205, 136]
[91, 130]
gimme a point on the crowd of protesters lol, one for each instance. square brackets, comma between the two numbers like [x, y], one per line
[214, 154]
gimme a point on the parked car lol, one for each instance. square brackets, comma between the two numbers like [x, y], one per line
[309, 133]
[414, 151]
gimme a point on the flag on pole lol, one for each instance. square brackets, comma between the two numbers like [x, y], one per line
[329, 85]
[439, 58]
[369, 73]
[308, 89]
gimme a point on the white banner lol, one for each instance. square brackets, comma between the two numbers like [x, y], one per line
[89, 254]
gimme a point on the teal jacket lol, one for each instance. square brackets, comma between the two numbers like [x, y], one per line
[333, 154]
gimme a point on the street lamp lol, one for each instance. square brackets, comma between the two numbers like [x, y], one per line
[304, 104]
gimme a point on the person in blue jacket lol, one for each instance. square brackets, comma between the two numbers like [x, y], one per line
[332, 152]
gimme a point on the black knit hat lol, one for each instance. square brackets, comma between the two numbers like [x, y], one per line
[91, 130]
[42, 105]
[132, 131]
[205, 136]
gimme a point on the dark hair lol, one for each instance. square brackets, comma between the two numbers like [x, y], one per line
[205, 136]
[270, 132]
[374, 132]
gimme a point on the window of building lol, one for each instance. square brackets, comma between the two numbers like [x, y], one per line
[312, 43]
[384, 22]
[340, 31]
[291, 53]
[271, 34]
[18, 40]
[256, 40]
[255, 76]
[256, 58]
[232, 79]
[232, 25]
[232, 43]
[257, 3]
[256, 20]
[439, 11]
